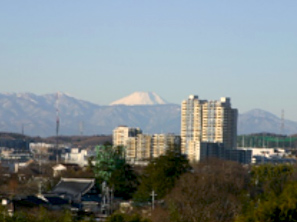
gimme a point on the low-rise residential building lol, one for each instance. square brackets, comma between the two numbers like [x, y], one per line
[144, 142]
[139, 147]
[46, 152]
[12, 160]
[269, 155]
[162, 142]
[79, 156]
[58, 170]
[217, 150]
[122, 133]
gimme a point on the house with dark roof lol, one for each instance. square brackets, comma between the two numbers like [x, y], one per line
[81, 193]
[32, 201]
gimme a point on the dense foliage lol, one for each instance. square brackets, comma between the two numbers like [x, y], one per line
[119, 217]
[212, 191]
[160, 175]
[226, 191]
[124, 181]
[112, 168]
[273, 194]
[38, 215]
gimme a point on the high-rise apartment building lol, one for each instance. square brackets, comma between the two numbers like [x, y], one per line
[207, 121]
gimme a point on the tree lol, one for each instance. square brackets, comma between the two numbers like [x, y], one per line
[124, 180]
[273, 194]
[212, 191]
[107, 160]
[161, 174]
[269, 178]
[13, 184]
[118, 217]
[112, 168]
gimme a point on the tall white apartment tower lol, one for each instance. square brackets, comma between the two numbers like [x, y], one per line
[207, 121]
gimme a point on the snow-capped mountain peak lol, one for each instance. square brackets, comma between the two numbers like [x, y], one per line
[141, 98]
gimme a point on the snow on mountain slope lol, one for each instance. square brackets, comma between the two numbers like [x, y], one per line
[140, 98]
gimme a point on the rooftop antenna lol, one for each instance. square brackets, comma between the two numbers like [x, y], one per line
[283, 122]
[23, 129]
[57, 123]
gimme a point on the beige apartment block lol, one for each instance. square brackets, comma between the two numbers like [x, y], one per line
[122, 133]
[194, 150]
[207, 121]
[131, 148]
[159, 145]
[162, 142]
[143, 147]
[138, 148]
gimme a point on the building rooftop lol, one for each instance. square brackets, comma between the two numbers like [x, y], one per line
[73, 187]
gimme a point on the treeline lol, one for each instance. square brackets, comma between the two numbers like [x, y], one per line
[213, 190]
[225, 191]
[267, 140]
[79, 141]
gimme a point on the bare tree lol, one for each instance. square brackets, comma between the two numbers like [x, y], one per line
[212, 192]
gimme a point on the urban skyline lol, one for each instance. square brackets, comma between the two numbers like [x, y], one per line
[208, 130]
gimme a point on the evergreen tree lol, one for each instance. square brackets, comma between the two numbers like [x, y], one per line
[160, 175]
[112, 168]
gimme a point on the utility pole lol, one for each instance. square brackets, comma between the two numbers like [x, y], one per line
[110, 201]
[40, 175]
[153, 194]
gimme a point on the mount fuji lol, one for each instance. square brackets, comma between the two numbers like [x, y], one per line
[141, 98]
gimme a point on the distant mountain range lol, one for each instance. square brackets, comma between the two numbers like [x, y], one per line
[36, 115]
[258, 121]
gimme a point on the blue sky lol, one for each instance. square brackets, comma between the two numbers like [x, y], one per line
[103, 50]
